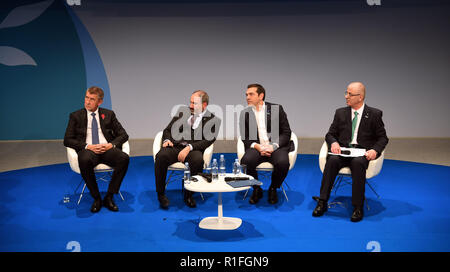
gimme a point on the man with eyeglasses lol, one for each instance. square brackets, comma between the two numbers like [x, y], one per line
[186, 137]
[359, 126]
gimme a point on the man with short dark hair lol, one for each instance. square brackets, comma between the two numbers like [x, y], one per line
[189, 133]
[266, 135]
[356, 125]
[97, 136]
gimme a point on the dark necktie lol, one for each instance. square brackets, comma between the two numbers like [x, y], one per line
[94, 127]
[193, 120]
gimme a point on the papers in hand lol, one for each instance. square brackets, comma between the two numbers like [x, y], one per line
[350, 152]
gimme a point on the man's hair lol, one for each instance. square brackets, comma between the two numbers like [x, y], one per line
[259, 89]
[204, 95]
[96, 90]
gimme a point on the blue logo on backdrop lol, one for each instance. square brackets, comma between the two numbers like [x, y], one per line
[47, 61]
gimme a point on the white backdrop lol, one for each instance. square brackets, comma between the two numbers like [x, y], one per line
[304, 54]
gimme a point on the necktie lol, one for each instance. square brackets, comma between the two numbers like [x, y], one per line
[94, 127]
[354, 122]
[193, 120]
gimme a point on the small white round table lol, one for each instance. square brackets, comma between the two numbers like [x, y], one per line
[217, 186]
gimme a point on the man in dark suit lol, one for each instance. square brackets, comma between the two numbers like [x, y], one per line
[266, 135]
[359, 126]
[97, 136]
[188, 134]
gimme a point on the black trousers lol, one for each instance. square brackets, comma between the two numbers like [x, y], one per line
[358, 167]
[169, 155]
[279, 159]
[114, 157]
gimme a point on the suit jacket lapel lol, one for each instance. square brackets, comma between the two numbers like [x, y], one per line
[268, 117]
[364, 119]
[100, 119]
[84, 121]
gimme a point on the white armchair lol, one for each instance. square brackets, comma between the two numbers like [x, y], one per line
[72, 157]
[268, 167]
[373, 169]
[178, 166]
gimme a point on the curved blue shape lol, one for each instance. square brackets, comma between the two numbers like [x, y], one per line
[95, 71]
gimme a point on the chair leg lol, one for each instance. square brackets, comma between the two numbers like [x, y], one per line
[284, 191]
[373, 190]
[121, 196]
[287, 185]
[246, 192]
[168, 178]
[81, 195]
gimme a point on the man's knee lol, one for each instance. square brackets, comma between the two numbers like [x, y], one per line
[123, 158]
[359, 163]
[85, 158]
[250, 158]
[196, 160]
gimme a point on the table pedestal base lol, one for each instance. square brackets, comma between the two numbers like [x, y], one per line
[220, 223]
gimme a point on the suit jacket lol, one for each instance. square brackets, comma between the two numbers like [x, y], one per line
[113, 131]
[371, 132]
[200, 138]
[277, 126]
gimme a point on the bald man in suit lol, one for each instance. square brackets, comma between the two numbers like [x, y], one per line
[359, 126]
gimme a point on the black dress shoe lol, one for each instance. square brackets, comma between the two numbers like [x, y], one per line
[96, 206]
[163, 201]
[358, 213]
[256, 195]
[108, 202]
[189, 200]
[321, 208]
[273, 197]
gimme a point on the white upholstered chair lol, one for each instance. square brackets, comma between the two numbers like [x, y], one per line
[178, 166]
[103, 172]
[373, 170]
[268, 167]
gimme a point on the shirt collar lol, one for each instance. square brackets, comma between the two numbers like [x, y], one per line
[90, 112]
[263, 108]
[360, 110]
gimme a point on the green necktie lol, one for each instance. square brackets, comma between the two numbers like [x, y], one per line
[354, 122]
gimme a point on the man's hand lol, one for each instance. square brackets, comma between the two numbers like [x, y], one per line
[183, 154]
[371, 154]
[97, 148]
[167, 143]
[335, 148]
[100, 148]
[264, 150]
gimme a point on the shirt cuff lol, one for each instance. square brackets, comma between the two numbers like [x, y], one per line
[190, 146]
[275, 146]
[252, 145]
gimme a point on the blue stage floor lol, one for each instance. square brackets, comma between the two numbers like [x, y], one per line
[413, 213]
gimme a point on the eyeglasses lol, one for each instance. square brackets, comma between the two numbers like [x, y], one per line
[350, 94]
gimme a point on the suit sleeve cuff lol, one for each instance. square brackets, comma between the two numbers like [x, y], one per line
[275, 146]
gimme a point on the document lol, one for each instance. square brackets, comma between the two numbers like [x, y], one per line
[350, 152]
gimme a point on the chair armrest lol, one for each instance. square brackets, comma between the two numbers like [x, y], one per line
[157, 144]
[323, 156]
[240, 148]
[72, 157]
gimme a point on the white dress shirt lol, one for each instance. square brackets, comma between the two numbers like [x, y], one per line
[101, 137]
[261, 123]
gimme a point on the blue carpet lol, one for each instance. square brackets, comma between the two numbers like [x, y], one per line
[411, 215]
